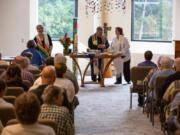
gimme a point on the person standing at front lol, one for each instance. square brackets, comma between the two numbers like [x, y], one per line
[97, 42]
[122, 64]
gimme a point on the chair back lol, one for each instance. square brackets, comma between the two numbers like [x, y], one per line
[13, 91]
[27, 83]
[158, 84]
[49, 123]
[10, 99]
[139, 73]
[6, 114]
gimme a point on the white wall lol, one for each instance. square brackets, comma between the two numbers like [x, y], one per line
[176, 20]
[14, 26]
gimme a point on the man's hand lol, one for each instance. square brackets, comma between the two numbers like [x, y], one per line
[102, 46]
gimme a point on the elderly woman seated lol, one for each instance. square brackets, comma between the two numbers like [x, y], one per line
[27, 108]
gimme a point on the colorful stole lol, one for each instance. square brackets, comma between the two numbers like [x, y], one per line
[43, 49]
[95, 42]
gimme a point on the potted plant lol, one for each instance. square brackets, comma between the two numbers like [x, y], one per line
[66, 42]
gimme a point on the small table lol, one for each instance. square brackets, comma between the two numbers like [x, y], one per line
[110, 56]
[8, 58]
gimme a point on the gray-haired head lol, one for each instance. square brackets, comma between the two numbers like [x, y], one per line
[166, 62]
[53, 95]
[59, 58]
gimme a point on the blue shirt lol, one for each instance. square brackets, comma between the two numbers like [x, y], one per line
[36, 58]
[147, 63]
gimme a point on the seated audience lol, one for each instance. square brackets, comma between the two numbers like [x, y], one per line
[13, 77]
[26, 75]
[170, 91]
[48, 76]
[52, 109]
[173, 113]
[27, 108]
[49, 61]
[27, 57]
[60, 58]
[171, 78]
[64, 82]
[148, 57]
[152, 71]
[3, 103]
[166, 70]
[36, 56]
[147, 63]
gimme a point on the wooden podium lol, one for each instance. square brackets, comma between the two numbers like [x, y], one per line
[177, 48]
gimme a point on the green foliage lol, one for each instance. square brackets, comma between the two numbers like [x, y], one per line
[57, 16]
[152, 20]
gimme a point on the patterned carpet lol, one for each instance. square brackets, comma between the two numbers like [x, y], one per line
[105, 111]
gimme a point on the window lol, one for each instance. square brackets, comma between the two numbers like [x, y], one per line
[57, 17]
[152, 20]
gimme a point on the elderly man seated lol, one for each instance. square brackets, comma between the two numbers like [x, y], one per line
[171, 78]
[26, 75]
[166, 70]
[48, 77]
[52, 109]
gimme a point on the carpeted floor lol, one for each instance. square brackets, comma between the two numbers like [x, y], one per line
[105, 111]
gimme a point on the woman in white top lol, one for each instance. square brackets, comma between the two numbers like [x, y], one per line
[122, 64]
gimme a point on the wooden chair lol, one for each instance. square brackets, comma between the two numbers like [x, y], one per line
[10, 99]
[13, 91]
[137, 76]
[46, 122]
[6, 114]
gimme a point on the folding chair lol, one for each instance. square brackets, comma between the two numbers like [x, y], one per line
[137, 76]
[158, 84]
[6, 114]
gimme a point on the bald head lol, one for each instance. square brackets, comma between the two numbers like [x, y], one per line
[166, 62]
[48, 75]
[177, 64]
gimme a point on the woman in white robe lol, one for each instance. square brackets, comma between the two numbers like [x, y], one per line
[120, 44]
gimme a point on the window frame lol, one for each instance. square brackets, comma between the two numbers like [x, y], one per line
[75, 16]
[132, 28]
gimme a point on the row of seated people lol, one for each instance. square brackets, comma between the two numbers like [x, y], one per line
[55, 72]
[29, 111]
[48, 77]
[168, 95]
